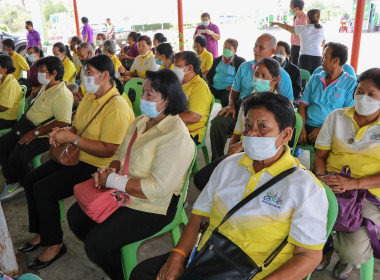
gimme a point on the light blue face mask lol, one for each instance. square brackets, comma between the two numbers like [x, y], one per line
[32, 58]
[261, 85]
[149, 108]
[260, 148]
[158, 62]
[206, 22]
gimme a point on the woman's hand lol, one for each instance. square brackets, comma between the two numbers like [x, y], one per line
[302, 140]
[228, 110]
[173, 268]
[62, 136]
[339, 184]
[100, 177]
[235, 148]
[27, 138]
[313, 135]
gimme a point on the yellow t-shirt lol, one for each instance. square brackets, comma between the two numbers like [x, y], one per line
[163, 67]
[20, 64]
[110, 126]
[70, 71]
[10, 97]
[199, 102]
[116, 62]
[141, 64]
[206, 60]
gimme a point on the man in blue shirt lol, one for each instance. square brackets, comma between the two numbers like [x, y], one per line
[223, 124]
[327, 91]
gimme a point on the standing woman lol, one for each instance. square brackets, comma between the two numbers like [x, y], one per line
[129, 52]
[312, 39]
[51, 182]
[63, 53]
[165, 56]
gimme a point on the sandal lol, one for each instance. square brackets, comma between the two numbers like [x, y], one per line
[325, 260]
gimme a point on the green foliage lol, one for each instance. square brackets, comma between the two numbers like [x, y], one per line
[328, 10]
[153, 26]
[4, 28]
[51, 8]
[14, 17]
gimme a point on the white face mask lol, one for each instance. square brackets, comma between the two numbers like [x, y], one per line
[365, 105]
[60, 58]
[280, 56]
[99, 42]
[41, 77]
[260, 148]
[89, 84]
[145, 54]
[180, 72]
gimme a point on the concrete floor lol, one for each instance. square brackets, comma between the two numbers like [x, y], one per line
[76, 265]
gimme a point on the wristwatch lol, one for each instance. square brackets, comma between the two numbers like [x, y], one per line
[76, 141]
[36, 132]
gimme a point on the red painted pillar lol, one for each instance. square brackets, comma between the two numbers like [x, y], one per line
[76, 16]
[180, 26]
[360, 4]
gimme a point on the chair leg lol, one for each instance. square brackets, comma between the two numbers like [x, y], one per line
[129, 258]
[195, 167]
[176, 235]
[62, 210]
[366, 270]
[36, 161]
[205, 154]
[312, 152]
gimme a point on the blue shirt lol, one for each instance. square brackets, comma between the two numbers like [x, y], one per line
[322, 100]
[346, 68]
[224, 74]
[243, 82]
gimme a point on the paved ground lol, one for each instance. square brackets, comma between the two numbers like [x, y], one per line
[76, 265]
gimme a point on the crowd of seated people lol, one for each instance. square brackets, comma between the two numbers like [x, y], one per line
[340, 115]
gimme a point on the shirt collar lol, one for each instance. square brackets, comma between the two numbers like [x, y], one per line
[350, 112]
[105, 97]
[163, 126]
[54, 88]
[324, 74]
[231, 60]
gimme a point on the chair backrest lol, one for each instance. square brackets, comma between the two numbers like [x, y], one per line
[297, 130]
[125, 96]
[209, 119]
[333, 209]
[305, 75]
[137, 85]
[22, 107]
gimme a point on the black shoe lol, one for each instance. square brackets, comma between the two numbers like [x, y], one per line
[27, 247]
[37, 264]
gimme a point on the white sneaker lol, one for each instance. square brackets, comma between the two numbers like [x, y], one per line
[11, 190]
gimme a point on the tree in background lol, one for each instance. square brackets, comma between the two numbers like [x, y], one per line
[51, 8]
[14, 17]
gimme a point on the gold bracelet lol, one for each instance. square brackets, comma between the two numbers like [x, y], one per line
[179, 251]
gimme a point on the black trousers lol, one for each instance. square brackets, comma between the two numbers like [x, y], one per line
[15, 158]
[202, 177]
[221, 94]
[102, 242]
[309, 62]
[294, 54]
[44, 187]
[6, 123]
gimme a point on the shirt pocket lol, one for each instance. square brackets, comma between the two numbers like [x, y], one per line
[337, 97]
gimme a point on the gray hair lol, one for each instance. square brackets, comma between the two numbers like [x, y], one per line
[72, 87]
[273, 40]
[85, 45]
[109, 46]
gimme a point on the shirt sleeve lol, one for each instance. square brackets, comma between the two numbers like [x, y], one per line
[285, 85]
[209, 61]
[133, 67]
[8, 94]
[69, 75]
[307, 98]
[239, 124]
[326, 134]
[153, 65]
[236, 86]
[23, 64]
[38, 38]
[216, 29]
[62, 106]
[196, 30]
[298, 29]
[197, 99]
[350, 95]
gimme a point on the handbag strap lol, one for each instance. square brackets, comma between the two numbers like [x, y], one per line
[97, 113]
[127, 156]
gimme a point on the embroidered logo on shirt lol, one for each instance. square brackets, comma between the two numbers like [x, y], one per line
[375, 135]
[337, 96]
[273, 198]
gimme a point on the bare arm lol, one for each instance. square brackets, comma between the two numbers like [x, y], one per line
[190, 117]
[285, 26]
[40, 44]
[319, 162]
[85, 38]
[3, 109]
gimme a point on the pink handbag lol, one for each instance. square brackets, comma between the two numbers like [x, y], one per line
[99, 204]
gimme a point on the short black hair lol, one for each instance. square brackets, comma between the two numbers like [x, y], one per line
[9, 43]
[233, 43]
[84, 19]
[298, 4]
[134, 35]
[160, 37]
[277, 104]
[190, 58]
[285, 45]
[52, 63]
[29, 22]
[76, 39]
[340, 51]
[108, 19]
[165, 49]
[37, 50]
[372, 74]
[64, 48]
[201, 40]
[146, 39]
[7, 62]
[167, 83]
[205, 15]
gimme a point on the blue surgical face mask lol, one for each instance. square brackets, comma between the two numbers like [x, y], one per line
[158, 62]
[261, 85]
[260, 148]
[32, 58]
[205, 22]
[149, 108]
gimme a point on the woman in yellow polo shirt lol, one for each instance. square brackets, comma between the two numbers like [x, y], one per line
[287, 211]
[10, 93]
[165, 56]
[63, 53]
[109, 49]
[49, 183]
[351, 136]
[187, 69]
[153, 182]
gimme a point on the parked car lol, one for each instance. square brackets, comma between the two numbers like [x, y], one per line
[20, 41]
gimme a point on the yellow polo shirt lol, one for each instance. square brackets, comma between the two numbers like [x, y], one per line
[77, 63]
[296, 207]
[141, 64]
[199, 102]
[152, 160]
[116, 62]
[206, 60]
[163, 67]
[110, 126]
[10, 97]
[20, 64]
[349, 144]
[70, 71]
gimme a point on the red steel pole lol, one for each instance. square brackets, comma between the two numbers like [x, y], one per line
[180, 26]
[360, 4]
[76, 16]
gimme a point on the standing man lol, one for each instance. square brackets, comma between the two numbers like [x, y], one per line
[110, 30]
[33, 37]
[300, 18]
[211, 32]
[87, 32]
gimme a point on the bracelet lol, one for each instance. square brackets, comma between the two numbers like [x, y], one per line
[320, 174]
[179, 251]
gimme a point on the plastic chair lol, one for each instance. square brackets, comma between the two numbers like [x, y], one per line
[305, 75]
[20, 112]
[366, 270]
[203, 143]
[125, 96]
[29, 276]
[332, 212]
[137, 85]
[129, 252]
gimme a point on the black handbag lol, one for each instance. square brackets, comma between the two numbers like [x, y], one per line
[220, 258]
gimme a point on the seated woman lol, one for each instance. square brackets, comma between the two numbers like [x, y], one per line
[223, 70]
[270, 119]
[158, 39]
[34, 54]
[51, 108]
[63, 53]
[100, 39]
[128, 54]
[165, 56]
[153, 183]
[10, 93]
[109, 49]
[187, 69]
[51, 182]
[144, 62]
[350, 136]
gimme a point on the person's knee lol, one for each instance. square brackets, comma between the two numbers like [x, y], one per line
[355, 247]
[73, 219]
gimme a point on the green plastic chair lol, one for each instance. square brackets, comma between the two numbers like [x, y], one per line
[203, 143]
[20, 112]
[366, 270]
[137, 85]
[129, 252]
[332, 212]
[305, 75]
